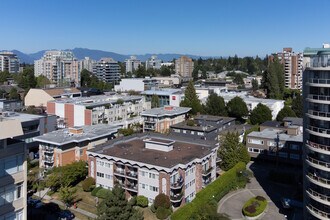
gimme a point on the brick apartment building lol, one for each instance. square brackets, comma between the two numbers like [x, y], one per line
[149, 164]
[65, 146]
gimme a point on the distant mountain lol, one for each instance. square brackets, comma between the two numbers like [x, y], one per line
[81, 53]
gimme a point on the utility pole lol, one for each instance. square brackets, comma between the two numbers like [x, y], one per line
[277, 148]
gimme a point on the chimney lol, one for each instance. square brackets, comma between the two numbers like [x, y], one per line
[76, 130]
[168, 108]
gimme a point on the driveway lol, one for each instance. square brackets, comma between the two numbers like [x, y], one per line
[259, 185]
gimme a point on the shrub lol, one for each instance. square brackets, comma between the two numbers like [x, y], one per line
[152, 208]
[254, 206]
[142, 201]
[103, 193]
[95, 190]
[88, 183]
[162, 213]
[213, 192]
[162, 200]
[132, 201]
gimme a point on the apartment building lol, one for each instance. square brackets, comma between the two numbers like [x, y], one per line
[293, 67]
[40, 97]
[136, 84]
[153, 63]
[87, 63]
[60, 67]
[107, 70]
[13, 171]
[151, 164]
[205, 127]
[10, 105]
[102, 109]
[316, 94]
[278, 145]
[9, 62]
[160, 119]
[132, 64]
[166, 97]
[32, 125]
[62, 147]
[184, 66]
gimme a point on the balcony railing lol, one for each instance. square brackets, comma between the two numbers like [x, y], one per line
[319, 195]
[317, 178]
[318, 162]
[319, 97]
[176, 197]
[132, 174]
[318, 211]
[319, 130]
[178, 184]
[319, 114]
[318, 146]
[120, 171]
[132, 187]
[207, 172]
[206, 182]
[319, 81]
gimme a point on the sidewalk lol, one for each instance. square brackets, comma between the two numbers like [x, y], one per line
[43, 195]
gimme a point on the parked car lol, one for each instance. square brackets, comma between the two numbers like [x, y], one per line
[65, 215]
[33, 202]
[290, 203]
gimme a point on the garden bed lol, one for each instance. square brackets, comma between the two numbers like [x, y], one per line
[254, 207]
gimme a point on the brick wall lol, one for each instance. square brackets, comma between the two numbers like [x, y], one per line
[69, 114]
[199, 177]
[88, 117]
[51, 108]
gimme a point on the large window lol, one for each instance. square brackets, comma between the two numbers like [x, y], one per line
[11, 165]
[10, 193]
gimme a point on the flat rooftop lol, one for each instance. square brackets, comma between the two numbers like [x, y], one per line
[183, 125]
[214, 118]
[165, 92]
[166, 111]
[230, 95]
[64, 136]
[270, 133]
[22, 117]
[133, 148]
[98, 100]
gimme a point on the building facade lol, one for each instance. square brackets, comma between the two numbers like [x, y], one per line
[136, 84]
[151, 164]
[166, 97]
[103, 109]
[13, 171]
[184, 66]
[60, 67]
[293, 68]
[132, 64]
[153, 63]
[62, 147]
[87, 63]
[107, 70]
[9, 62]
[160, 119]
[316, 93]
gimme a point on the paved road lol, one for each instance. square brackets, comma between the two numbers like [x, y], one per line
[232, 203]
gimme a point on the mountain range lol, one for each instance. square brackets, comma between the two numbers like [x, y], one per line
[81, 53]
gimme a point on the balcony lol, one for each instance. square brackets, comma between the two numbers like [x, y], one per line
[176, 197]
[319, 131]
[206, 182]
[49, 159]
[319, 115]
[324, 149]
[207, 172]
[148, 127]
[120, 183]
[49, 150]
[318, 163]
[321, 198]
[319, 82]
[178, 184]
[132, 174]
[120, 172]
[317, 212]
[132, 187]
[317, 180]
[319, 98]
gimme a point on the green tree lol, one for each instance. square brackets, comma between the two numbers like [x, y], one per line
[191, 99]
[215, 105]
[126, 131]
[140, 72]
[238, 79]
[273, 79]
[3, 76]
[285, 112]
[297, 105]
[42, 81]
[260, 114]
[231, 151]
[237, 108]
[255, 85]
[26, 79]
[154, 101]
[13, 94]
[67, 194]
[116, 207]
[165, 71]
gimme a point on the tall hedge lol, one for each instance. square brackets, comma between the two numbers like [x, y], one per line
[213, 192]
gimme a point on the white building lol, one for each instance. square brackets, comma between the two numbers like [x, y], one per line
[132, 64]
[152, 164]
[153, 63]
[166, 97]
[107, 70]
[274, 105]
[61, 67]
[136, 84]
[9, 62]
[87, 63]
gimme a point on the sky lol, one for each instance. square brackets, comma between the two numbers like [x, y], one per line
[204, 27]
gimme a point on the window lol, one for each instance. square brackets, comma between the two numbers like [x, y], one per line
[283, 154]
[255, 141]
[294, 147]
[100, 174]
[144, 186]
[143, 173]
[107, 176]
[11, 165]
[294, 156]
[100, 163]
[184, 131]
[153, 188]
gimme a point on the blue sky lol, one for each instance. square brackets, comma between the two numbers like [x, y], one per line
[204, 27]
